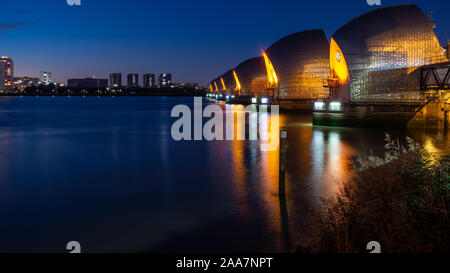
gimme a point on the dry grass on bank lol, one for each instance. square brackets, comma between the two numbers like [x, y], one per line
[402, 201]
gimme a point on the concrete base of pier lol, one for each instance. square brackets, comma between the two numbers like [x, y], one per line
[379, 120]
[374, 115]
[296, 105]
[434, 115]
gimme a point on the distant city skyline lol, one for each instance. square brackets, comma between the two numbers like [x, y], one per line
[190, 39]
[9, 81]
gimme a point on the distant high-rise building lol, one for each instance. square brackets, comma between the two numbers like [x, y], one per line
[6, 73]
[149, 80]
[133, 80]
[87, 83]
[165, 79]
[115, 80]
[45, 77]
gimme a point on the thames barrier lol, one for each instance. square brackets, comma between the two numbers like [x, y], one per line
[385, 65]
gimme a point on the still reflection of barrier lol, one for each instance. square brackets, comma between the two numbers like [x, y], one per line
[282, 164]
[282, 190]
[272, 192]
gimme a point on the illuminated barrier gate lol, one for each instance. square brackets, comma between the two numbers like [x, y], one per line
[297, 64]
[383, 50]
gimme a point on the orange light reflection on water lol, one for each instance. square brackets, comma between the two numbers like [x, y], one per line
[318, 161]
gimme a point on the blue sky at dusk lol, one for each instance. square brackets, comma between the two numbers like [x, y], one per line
[194, 40]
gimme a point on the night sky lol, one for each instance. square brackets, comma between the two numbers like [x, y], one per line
[194, 40]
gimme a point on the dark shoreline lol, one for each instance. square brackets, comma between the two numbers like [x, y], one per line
[52, 90]
[105, 95]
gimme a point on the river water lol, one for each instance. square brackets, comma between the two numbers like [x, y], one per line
[105, 172]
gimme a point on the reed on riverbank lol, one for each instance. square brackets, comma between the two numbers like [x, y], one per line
[402, 201]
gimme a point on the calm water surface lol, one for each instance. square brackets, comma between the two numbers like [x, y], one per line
[105, 172]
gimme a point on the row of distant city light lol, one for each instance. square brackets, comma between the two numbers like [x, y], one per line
[219, 96]
[318, 105]
[323, 106]
[254, 100]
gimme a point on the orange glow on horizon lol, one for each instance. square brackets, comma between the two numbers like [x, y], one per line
[338, 64]
[271, 74]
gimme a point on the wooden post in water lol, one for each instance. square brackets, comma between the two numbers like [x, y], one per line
[282, 163]
[446, 120]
